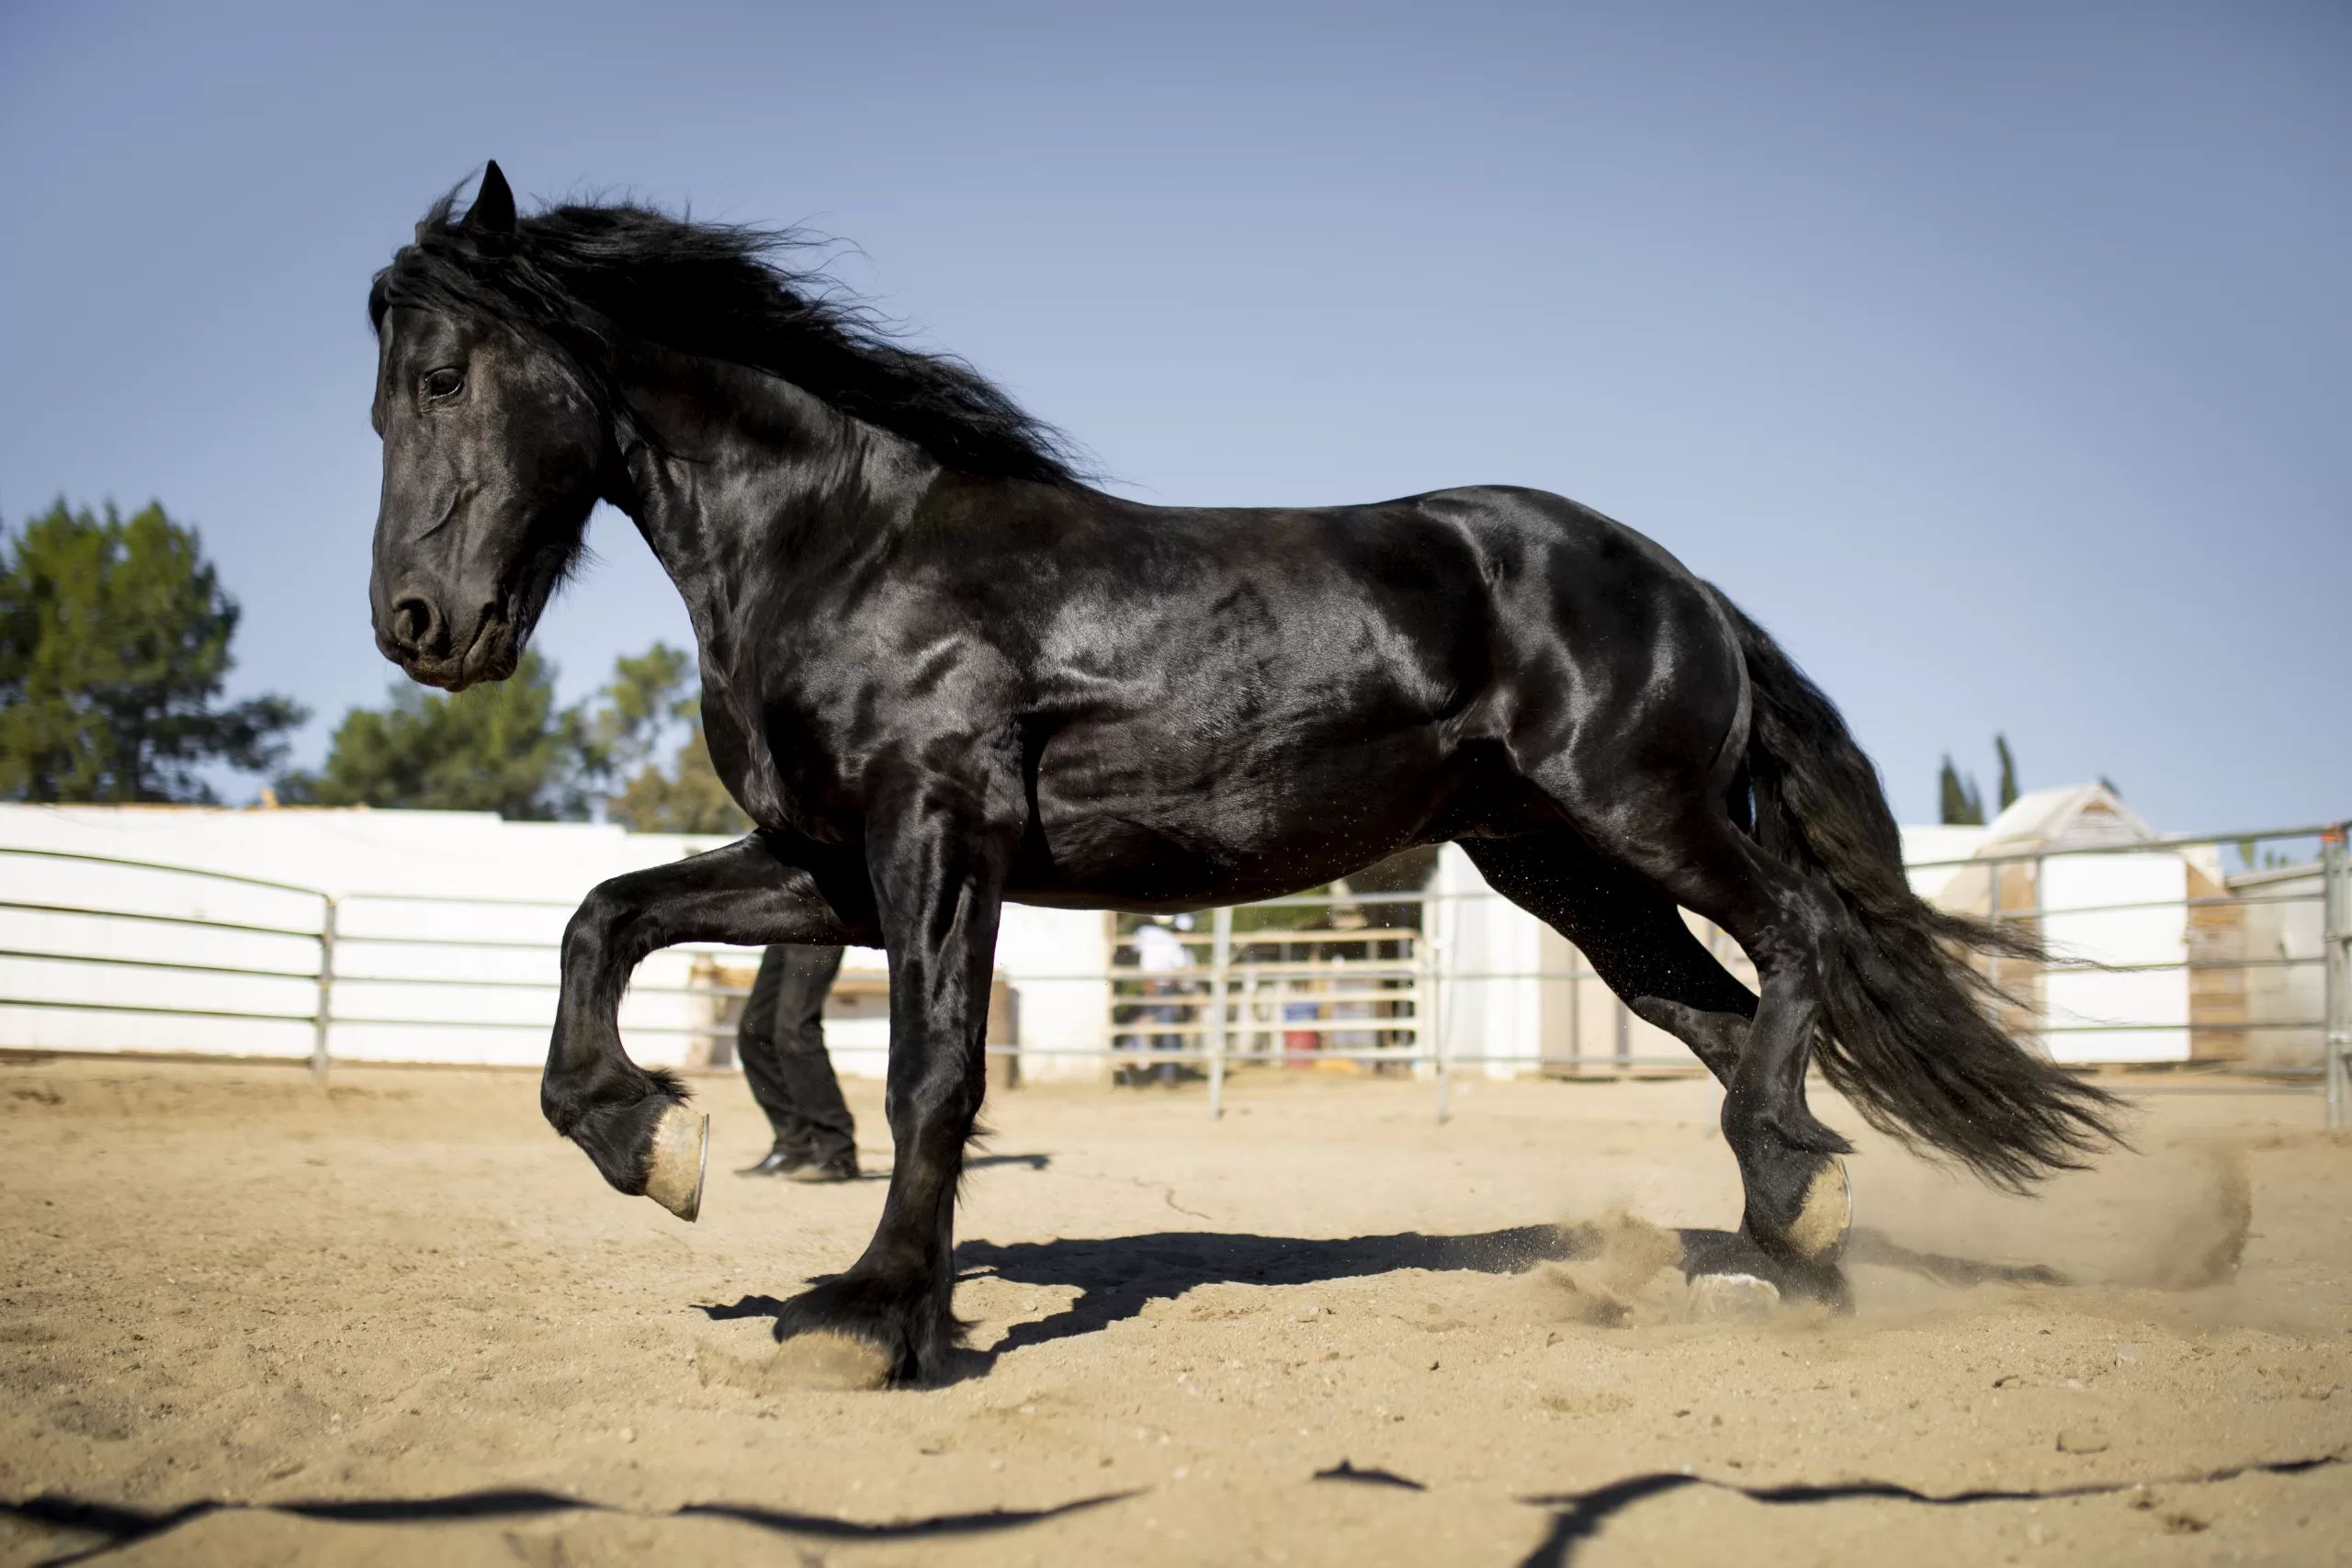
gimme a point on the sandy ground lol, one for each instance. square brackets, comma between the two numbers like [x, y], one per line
[245, 1321]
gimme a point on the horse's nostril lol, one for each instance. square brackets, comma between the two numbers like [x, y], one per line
[413, 622]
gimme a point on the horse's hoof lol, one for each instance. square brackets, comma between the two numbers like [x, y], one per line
[1824, 1215]
[1740, 1298]
[675, 1165]
[824, 1361]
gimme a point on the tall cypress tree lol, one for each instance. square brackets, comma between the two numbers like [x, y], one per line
[1962, 805]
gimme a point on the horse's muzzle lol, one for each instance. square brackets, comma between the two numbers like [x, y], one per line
[416, 639]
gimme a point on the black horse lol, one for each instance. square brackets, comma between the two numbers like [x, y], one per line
[940, 672]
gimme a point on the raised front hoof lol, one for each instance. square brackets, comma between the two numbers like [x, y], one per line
[897, 1327]
[638, 1134]
[677, 1159]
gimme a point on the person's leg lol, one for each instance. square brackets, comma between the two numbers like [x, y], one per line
[817, 1118]
[763, 1070]
[1164, 1013]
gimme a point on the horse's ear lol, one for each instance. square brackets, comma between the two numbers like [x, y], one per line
[490, 220]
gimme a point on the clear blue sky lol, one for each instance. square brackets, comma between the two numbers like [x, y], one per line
[1997, 356]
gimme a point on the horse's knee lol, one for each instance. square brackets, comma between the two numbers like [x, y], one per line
[586, 1066]
[594, 932]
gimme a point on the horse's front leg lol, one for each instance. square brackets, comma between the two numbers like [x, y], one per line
[632, 1120]
[939, 877]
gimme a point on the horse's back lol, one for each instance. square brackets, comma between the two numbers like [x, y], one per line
[1483, 613]
[1253, 699]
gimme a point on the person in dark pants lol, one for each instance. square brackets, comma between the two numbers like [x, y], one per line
[781, 1043]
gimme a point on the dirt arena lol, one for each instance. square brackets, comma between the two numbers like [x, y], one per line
[244, 1322]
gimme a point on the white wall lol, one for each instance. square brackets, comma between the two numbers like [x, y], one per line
[1494, 1003]
[1045, 953]
[1488, 951]
[1929, 852]
[2147, 1011]
[2284, 918]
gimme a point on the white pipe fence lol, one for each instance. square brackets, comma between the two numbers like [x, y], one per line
[327, 963]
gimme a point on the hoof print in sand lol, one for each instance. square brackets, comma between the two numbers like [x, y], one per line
[827, 1363]
[1613, 1263]
[1732, 1298]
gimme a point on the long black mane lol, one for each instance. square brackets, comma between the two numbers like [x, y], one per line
[574, 272]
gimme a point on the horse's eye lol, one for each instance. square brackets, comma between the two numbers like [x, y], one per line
[443, 383]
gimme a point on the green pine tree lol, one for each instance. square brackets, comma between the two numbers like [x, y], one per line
[687, 798]
[509, 747]
[651, 694]
[114, 648]
[2008, 771]
[503, 747]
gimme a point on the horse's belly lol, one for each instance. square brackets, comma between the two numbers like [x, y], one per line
[1152, 826]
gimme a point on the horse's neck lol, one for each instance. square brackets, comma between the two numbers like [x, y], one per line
[732, 476]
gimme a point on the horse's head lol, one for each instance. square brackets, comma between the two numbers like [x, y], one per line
[492, 453]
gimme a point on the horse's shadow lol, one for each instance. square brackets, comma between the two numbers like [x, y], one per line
[1116, 1277]
[1035, 1162]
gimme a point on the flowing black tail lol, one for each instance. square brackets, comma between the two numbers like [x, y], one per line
[1906, 1038]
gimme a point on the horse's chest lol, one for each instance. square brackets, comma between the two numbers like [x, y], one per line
[773, 772]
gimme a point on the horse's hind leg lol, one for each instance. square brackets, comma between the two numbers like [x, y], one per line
[631, 1120]
[1617, 903]
[1633, 937]
[1797, 1197]
[1631, 933]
